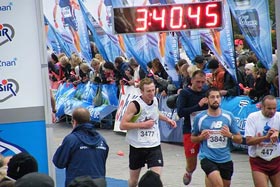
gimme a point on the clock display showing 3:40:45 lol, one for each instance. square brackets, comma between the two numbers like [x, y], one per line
[172, 17]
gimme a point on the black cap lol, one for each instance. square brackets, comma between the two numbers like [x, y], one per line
[213, 64]
[150, 178]
[199, 59]
[171, 101]
[35, 180]
[21, 164]
[83, 181]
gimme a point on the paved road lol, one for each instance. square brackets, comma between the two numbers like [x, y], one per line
[117, 166]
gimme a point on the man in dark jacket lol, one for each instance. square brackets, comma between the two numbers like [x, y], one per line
[190, 101]
[84, 151]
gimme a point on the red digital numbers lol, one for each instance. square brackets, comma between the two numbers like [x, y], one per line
[204, 15]
[142, 15]
[194, 14]
[211, 14]
[176, 17]
[159, 16]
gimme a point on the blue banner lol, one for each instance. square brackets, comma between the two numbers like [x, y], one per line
[253, 20]
[108, 44]
[25, 137]
[241, 107]
[69, 97]
[191, 43]
[55, 40]
[220, 41]
[171, 55]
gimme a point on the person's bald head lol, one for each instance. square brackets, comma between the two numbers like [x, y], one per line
[81, 115]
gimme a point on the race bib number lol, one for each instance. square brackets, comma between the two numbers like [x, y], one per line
[147, 135]
[216, 140]
[267, 150]
[66, 12]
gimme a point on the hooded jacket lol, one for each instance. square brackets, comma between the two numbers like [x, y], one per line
[83, 152]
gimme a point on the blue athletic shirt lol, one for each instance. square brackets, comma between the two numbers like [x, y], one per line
[217, 147]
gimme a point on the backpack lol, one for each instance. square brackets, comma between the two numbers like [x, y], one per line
[171, 101]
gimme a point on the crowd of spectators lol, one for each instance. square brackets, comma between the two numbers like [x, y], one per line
[120, 72]
[253, 79]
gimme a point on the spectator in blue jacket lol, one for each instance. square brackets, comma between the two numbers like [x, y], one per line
[84, 151]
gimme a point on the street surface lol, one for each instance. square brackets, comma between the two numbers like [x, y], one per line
[117, 166]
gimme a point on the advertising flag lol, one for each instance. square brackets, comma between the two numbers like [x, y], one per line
[97, 32]
[108, 44]
[253, 20]
[220, 41]
[55, 40]
[68, 21]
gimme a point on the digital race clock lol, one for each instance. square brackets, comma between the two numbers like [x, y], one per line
[171, 17]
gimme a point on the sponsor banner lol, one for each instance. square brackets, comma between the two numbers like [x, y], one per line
[143, 48]
[127, 94]
[69, 97]
[191, 43]
[15, 33]
[22, 111]
[253, 20]
[25, 137]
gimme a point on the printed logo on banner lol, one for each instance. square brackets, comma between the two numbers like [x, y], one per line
[5, 8]
[8, 89]
[242, 105]
[7, 33]
[9, 148]
[8, 63]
